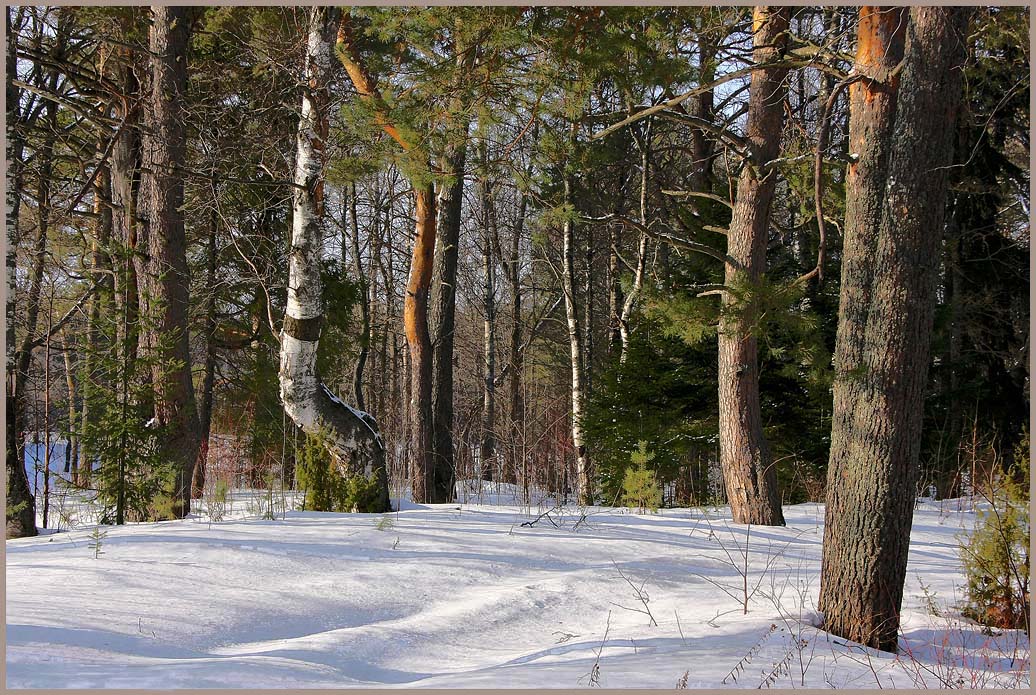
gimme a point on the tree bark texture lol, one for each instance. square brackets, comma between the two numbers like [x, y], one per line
[350, 435]
[748, 469]
[872, 474]
[21, 506]
[168, 282]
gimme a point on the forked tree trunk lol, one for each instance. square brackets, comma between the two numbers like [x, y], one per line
[638, 277]
[351, 436]
[748, 469]
[872, 473]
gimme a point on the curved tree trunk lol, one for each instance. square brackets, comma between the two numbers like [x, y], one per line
[350, 435]
[748, 470]
[872, 476]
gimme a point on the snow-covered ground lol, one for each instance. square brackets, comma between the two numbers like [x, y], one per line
[466, 596]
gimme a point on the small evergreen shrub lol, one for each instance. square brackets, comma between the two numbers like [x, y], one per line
[996, 554]
[326, 489]
[640, 486]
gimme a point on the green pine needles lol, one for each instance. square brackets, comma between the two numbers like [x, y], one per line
[640, 486]
[326, 489]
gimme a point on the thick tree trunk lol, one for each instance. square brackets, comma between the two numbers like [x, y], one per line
[21, 506]
[450, 199]
[748, 470]
[351, 436]
[872, 474]
[165, 149]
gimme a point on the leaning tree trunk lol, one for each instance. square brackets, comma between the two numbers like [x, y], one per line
[168, 280]
[872, 473]
[351, 436]
[748, 470]
[21, 506]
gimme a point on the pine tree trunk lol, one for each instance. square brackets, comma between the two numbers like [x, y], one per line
[351, 436]
[872, 473]
[168, 281]
[748, 470]
[450, 199]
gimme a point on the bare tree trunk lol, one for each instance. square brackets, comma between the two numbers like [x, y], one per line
[615, 300]
[575, 342]
[365, 302]
[487, 447]
[209, 378]
[872, 475]
[513, 267]
[450, 199]
[72, 444]
[638, 277]
[21, 506]
[748, 470]
[351, 436]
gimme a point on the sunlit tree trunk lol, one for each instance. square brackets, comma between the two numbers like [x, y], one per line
[748, 469]
[350, 435]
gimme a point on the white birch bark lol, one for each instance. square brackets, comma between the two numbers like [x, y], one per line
[351, 435]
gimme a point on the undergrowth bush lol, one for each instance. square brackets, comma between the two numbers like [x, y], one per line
[996, 554]
[326, 489]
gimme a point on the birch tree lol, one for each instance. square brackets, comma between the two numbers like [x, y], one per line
[350, 435]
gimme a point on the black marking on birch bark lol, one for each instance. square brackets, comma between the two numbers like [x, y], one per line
[303, 329]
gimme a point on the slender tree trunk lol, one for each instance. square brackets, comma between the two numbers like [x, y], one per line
[748, 470]
[209, 377]
[872, 474]
[72, 444]
[168, 281]
[575, 342]
[638, 277]
[615, 300]
[518, 460]
[21, 506]
[351, 436]
[365, 302]
[487, 447]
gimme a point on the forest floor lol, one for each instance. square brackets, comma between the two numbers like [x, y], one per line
[451, 596]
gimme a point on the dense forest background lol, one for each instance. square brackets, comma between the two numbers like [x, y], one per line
[582, 200]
